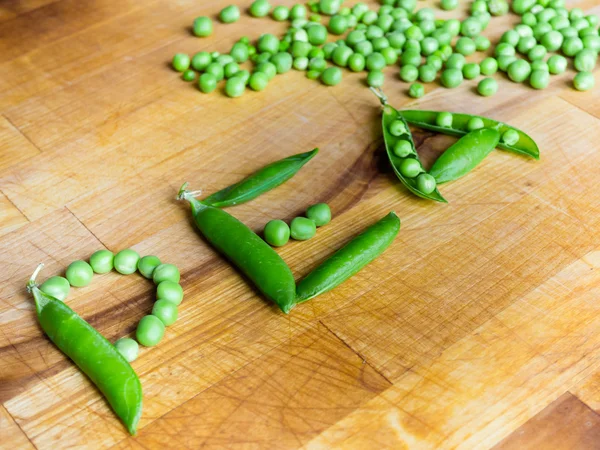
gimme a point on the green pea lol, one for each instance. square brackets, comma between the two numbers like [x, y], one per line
[125, 261]
[369, 18]
[356, 62]
[150, 331]
[128, 348]
[243, 75]
[216, 70]
[552, 40]
[302, 229]
[313, 74]
[557, 64]
[189, 75]
[165, 311]
[268, 43]
[354, 37]
[57, 287]
[319, 213]
[380, 43]
[427, 73]
[258, 81]
[541, 29]
[584, 81]
[202, 27]
[452, 26]
[444, 119]
[504, 49]
[364, 48]
[375, 61]
[591, 42]
[235, 87]
[429, 45]
[268, 69]
[397, 128]
[504, 61]
[300, 63]
[338, 24]
[481, 43]
[537, 52]
[223, 60]
[239, 52]
[519, 70]
[207, 83]
[529, 19]
[487, 87]
[572, 46]
[410, 58]
[146, 265]
[318, 64]
[510, 37]
[166, 272]
[280, 13]
[282, 61]
[375, 78]
[384, 21]
[276, 233]
[260, 8]
[449, 5]
[470, 27]
[452, 78]
[201, 60]
[409, 73]
[416, 90]
[231, 69]
[526, 43]
[475, 123]
[402, 148]
[329, 7]
[510, 137]
[102, 261]
[434, 61]
[539, 79]
[181, 62]
[390, 55]
[488, 66]
[79, 274]
[585, 60]
[455, 61]
[426, 183]
[341, 55]
[331, 76]
[298, 12]
[471, 71]
[169, 291]
[317, 34]
[410, 168]
[230, 14]
[539, 65]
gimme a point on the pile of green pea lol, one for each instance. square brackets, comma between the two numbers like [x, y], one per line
[397, 32]
[277, 233]
[169, 292]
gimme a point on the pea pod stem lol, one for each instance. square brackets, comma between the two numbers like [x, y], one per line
[246, 250]
[92, 353]
[350, 259]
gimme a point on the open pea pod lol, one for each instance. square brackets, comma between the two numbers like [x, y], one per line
[464, 155]
[391, 115]
[265, 179]
[427, 120]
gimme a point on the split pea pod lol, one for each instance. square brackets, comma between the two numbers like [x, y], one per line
[246, 250]
[93, 354]
[265, 179]
[348, 260]
[519, 142]
[464, 155]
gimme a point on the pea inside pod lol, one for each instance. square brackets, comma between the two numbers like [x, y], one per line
[406, 164]
[427, 120]
[350, 259]
[466, 153]
[93, 354]
[265, 179]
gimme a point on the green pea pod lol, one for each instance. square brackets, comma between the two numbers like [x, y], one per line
[466, 153]
[348, 260]
[267, 178]
[390, 115]
[246, 250]
[93, 354]
[427, 120]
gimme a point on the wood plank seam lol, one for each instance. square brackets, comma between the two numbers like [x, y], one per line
[579, 108]
[365, 361]
[83, 225]
[20, 428]
[16, 207]
[12, 124]
[596, 413]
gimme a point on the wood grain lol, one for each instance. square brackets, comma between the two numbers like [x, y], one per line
[478, 327]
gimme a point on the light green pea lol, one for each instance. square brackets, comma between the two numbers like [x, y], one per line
[166, 272]
[165, 311]
[128, 348]
[125, 261]
[147, 264]
[150, 331]
[79, 274]
[57, 287]
[102, 261]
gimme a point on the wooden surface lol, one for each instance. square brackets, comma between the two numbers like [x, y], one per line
[478, 327]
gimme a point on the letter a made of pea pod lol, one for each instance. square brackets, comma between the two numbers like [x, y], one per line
[92, 353]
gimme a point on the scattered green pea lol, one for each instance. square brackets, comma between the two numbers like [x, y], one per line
[216, 70]
[557, 64]
[537, 52]
[427, 73]
[487, 87]
[283, 62]
[584, 81]
[181, 62]
[455, 61]
[416, 90]
[317, 34]
[471, 71]
[449, 5]
[79, 274]
[258, 81]
[280, 13]
[375, 61]
[519, 70]
[57, 287]
[331, 76]
[276, 233]
[165, 311]
[125, 261]
[231, 69]
[166, 272]
[585, 60]
[268, 69]
[147, 264]
[150, 331]
[375, 78]
[207, 82]
[356, 62]
[452, 78]
[539, 79]
[302, 229]
[201, 60]
[230, 14]
[320, 214]
[488, 66]
[260, 8]
[170, 291]
[128, 348]
[341, 55]
[202, 26]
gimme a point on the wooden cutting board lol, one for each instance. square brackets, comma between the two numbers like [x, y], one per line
[479, 324]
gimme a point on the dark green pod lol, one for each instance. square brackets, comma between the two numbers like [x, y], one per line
[93, 354]
[427, 120]
[247, 251]
[390, 115]
[267, 178]
[351, 258]
[464, 155]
